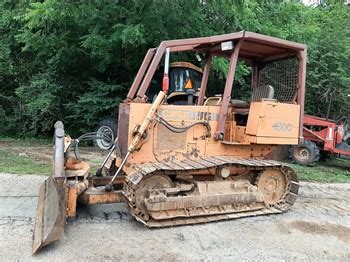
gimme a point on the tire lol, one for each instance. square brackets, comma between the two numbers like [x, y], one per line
[324, 155]
[107, 127]
[306, 154]
[346, 147]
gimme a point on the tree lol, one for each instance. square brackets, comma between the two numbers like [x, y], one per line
[75, 60]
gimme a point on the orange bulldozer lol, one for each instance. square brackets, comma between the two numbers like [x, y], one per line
[195, 160]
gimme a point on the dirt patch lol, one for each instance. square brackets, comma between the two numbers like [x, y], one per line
[44, 153]
[5, 143]
[39, 153]
[339, 231]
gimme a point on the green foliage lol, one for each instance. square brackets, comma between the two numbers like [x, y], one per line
[98, 98]
[21, 163]
[75, 60]
[329, 63]
[45, 105]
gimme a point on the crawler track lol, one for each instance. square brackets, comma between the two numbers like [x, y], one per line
[190, 166]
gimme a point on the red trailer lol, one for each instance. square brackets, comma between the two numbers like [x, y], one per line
[322, 135]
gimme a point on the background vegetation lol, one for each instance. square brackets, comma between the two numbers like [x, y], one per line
[75, 60]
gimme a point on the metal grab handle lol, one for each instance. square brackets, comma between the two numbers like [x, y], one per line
[58, 168]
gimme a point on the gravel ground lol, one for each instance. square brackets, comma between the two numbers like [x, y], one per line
[316, 228]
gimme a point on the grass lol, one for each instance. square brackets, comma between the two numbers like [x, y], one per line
[331, 170]
[17, 163]
[35, 156]
[21, 157]
[26, 141]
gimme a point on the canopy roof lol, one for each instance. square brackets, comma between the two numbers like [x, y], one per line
[254, 47]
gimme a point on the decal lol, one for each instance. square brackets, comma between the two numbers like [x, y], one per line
[282, 127]
[173, 115]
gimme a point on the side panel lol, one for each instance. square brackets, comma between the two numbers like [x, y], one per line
[164, 145]
[273, 122]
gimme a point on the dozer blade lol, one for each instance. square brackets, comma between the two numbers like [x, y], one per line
[51, 214]
[51, 208]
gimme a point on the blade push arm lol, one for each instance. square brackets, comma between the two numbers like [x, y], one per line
[139, 134]
[146, 122]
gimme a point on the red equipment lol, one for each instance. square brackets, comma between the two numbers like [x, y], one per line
[324, 135]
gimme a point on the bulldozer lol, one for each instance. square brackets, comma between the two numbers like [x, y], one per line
[203, 160]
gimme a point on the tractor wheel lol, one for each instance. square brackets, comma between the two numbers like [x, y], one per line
[106, 127]
[324, 155]
[306, 154]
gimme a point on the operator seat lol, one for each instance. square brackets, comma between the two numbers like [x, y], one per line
[262, 92]
[213, 101]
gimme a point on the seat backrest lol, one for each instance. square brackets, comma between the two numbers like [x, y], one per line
[212, 101]
[262, 91]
